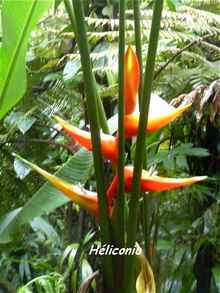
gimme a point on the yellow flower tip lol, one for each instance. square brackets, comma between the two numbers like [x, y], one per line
[184, 108]
[129, 56]
[84, 198]
[161, 121]
[64, 124]
[199, 178]
[34, 167]
[59, 120]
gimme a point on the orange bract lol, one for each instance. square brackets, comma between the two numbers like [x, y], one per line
[154, 122]
[132, 80]
[108, 142]
[150, 183]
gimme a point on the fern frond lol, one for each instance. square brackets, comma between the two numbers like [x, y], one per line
[207, 5]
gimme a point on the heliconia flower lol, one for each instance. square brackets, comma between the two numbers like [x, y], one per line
[131, 80]
[109, 144]
[150, 183]
[84, 198]
[160, 114]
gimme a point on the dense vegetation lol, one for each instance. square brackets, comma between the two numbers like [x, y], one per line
[44, 237]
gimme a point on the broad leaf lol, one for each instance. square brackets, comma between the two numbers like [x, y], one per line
[18, 20]
[41, 225]
[47, 198]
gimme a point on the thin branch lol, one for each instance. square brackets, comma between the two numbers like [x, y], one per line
[180, 51]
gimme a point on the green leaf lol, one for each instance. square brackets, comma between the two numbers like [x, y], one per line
[57, 3]
[172, 4]
[86, 271]
[21, 169]
[46, 283]
[5, 222]
[47, 198]
[216, 274]
[164, 244]
[16, 27]
[41, 225]
[20, 120]
[69, 255]
[187, 149]
[71, 68]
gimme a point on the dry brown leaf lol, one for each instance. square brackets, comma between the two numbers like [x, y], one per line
[199, 97]
[87, 283]
[193, 97]
[215, 106]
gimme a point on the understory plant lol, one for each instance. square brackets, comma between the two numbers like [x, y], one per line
[116, 205]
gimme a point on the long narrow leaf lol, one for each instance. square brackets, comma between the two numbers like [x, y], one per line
[18, 20]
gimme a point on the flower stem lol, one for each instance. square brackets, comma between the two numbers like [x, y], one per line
[137, 30]
[91, 98]
[128, 285]
[120, 201]
[118, 219]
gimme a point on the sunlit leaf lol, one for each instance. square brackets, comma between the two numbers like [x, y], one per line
[16, 27]
[21, 169]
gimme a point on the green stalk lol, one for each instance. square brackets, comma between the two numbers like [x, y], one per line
[146, 223]
[118, 218]
[140, 145]
[120, 202]
[91, 98]
[101, 111]
[137, 31]
[69, 10]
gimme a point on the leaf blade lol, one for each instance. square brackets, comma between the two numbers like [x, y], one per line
[17, 27]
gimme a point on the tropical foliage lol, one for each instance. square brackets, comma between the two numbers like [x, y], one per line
[45, 238]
